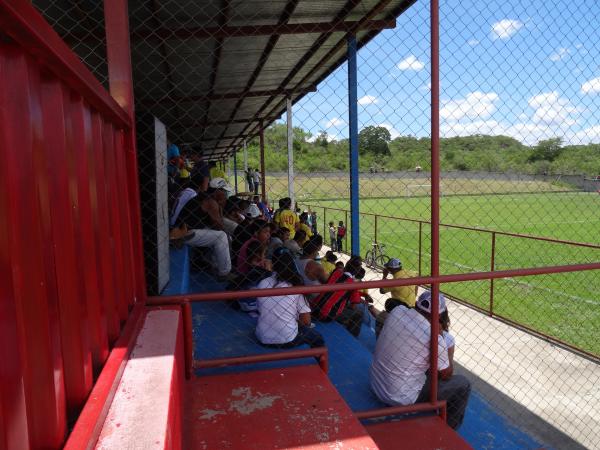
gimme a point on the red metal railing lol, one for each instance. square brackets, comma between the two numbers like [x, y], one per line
[490, 311]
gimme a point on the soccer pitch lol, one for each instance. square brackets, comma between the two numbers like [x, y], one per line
[565, 306]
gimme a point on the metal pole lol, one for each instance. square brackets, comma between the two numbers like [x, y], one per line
[376, 216]
[235, 180]
[353, 134]
[492, 268]
[263, 190]
[435, 193]
[420, 247]
[246, 165]
[290, 149]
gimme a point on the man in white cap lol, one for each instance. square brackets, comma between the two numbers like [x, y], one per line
[399, 373]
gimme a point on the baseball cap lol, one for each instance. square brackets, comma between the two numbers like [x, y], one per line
[393, 263]
[220, 183]
[252, 211]
[424, 302]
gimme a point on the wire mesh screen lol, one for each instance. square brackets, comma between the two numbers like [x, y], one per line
[520, 184]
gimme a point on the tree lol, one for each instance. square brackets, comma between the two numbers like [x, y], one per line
[374, 140]
[547, 150]
[322, 140]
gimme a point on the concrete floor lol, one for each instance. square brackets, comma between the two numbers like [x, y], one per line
[547, 391]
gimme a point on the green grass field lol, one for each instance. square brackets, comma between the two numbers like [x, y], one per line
[566, 306]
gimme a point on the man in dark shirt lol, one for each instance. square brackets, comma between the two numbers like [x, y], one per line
[204, 220]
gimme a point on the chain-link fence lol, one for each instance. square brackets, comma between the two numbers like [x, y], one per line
[520, 160]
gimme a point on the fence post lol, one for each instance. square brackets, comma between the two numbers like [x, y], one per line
[324, 223]
[420, 245]
[376, 216]
[492, 268]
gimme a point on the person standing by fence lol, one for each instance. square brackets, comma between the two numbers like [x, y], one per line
[341, 234]
[332, 237]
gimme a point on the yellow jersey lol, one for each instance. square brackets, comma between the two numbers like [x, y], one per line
[405, 293]
[329, 267]
[307, 230]
[288, 219]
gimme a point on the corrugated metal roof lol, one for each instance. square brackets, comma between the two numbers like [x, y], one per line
[211, 69]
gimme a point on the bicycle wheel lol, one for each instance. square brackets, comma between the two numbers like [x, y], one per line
[369, 258]
[381, 260]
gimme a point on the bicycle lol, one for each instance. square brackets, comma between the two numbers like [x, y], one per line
[376, 257]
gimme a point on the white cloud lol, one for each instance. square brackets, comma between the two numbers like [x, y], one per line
[473, 42]
[410, 63]
[561, 53]
[426, 87]
[393, 132]
[505, 28]
[551, 109]
[335, 122]
[591, 87]
[476, 105]
[368, 100]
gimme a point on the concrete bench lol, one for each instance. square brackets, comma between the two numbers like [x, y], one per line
[146, 409]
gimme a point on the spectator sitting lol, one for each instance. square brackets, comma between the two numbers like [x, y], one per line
[286, 217]
[278, 211]
[401, 362]
[341, 306]
[364, 293]
[329, 262]
[277, 239]
[303, 225]
[219, 190]
[202, 216]
[259, 269]
[339, 265]
[401, 295]
[231, 216]
[262, 207]
[293, 245]
[311, 271]
[262, 234]
[284, 321]
[244, 230]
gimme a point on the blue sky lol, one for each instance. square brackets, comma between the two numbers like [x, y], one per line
[526, 69]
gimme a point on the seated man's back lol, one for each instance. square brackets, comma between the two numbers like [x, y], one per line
[401, 357]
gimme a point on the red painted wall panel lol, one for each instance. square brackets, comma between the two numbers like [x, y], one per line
[37, 316]
[125, 219]
[103, 234]
[13, 415]
[114, 194]
[75, 328]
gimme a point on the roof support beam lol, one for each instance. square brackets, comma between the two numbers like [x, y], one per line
[226, 96]
[245, 133]
[339, 18]
[223, 18]
[283, 19]
[261, 30]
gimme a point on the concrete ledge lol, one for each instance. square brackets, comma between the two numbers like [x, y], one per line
[146, 410]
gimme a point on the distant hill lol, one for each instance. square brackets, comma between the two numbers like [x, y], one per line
[379, 151]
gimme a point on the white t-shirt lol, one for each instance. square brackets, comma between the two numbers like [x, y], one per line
[402, 357]
[257, 177]
[278, 319]
[229, 225]
[450, 341]
[185, 196]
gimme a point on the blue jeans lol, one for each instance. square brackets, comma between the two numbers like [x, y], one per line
[305, 335]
